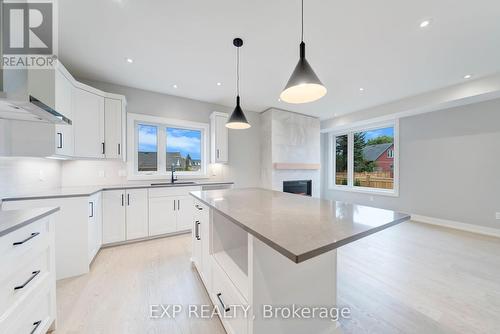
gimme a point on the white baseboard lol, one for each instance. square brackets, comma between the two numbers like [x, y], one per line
[493, 232]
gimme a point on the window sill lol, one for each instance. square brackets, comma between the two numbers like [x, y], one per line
[363, 190]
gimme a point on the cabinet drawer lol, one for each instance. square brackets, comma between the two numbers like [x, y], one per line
[34, 314]
[23, 241]
[225, 294]
[172, 191]
[23, 275]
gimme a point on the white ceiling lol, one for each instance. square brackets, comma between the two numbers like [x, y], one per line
[377, 45]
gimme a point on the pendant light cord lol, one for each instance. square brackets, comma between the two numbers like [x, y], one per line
[238, 71]
[302, 33]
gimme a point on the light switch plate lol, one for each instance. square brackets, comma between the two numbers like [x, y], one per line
[101, 173]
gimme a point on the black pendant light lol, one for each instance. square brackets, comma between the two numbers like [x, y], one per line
[238, 121]
[304, 85]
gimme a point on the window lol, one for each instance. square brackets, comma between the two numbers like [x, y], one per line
[183, 149]
[365, 159]
[147, 154]
[157, 143]
[341, 160]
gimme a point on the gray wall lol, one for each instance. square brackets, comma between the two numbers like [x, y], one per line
[244, 145]
[449, 166]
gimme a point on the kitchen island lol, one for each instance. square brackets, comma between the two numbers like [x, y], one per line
[262, 253]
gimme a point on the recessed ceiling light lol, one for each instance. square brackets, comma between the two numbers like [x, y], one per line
[361, 89]
[129, 60]
[175, 86]
[425, 23]
[467, 76]
[219, 84]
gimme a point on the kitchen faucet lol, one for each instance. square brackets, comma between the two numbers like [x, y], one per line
[173, 179]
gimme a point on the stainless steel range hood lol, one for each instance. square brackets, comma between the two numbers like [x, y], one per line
[16, 103]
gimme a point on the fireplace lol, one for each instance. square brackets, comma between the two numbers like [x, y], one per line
[302, 187]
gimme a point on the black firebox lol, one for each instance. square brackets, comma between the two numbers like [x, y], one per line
[302, 187]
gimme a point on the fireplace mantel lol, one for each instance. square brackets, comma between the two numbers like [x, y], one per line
[295, 166]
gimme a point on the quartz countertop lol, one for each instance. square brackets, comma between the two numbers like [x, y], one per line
[15, 219]
[84, 191]
[298, 227]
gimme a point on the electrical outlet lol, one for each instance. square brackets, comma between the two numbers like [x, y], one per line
[101, 173]
[372, 199]
[497, 215]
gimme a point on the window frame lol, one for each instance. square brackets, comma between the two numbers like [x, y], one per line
[133, 120]
[350, 159]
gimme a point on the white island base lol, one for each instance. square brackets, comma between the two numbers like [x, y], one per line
[240, 272]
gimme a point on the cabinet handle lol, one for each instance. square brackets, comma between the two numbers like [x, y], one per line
[33, 275]
[91, 209]
[197, 230]
[198, 207]
[36, 324]
[174, 204]
[219, 297]
[103, 148]
[218, 153]
[123, 200]
[60, 139]
[128, 199]
[179, 204]
[119, 149]
[27, 239]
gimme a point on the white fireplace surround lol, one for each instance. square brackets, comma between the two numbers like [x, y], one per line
[289, 139]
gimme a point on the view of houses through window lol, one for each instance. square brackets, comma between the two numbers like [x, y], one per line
[147, 155]
[183, 149]
[372, 158]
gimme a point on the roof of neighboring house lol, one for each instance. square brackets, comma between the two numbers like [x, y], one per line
[373, 152]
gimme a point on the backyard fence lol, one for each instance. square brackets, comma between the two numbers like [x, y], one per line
[381, 180]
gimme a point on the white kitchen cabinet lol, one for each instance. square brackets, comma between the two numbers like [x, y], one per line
[162, 215]
[125, 215]
[113, 216]
[219, 142]
[137, 213]
[113, 128]
[170, 210]
[88, 125]
[184, 213]
[201, 235]
[95, 225]
[64, 136]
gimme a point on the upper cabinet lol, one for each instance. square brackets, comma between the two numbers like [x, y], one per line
[97, 129]
[113, 128]
[88, 124]
[219, 138]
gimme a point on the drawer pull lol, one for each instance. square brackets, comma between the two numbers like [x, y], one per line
[198, 207]
[197, 230]
[219, 297]
[36, 324]
[27, 239]
[34, 274]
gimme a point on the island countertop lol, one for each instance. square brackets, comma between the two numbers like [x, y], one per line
[298, 227]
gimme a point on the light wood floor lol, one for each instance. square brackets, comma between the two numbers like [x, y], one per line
[412, 278]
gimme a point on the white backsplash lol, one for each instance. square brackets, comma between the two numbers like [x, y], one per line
[28, 175]
[288, 137]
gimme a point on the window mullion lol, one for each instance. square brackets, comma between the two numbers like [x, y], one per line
[162, 150]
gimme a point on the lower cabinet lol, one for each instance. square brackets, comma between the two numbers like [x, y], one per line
[125, 215]
[95, 225]
[170, 210]
[27, 279]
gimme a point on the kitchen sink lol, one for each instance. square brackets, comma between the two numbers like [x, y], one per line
[170, 184]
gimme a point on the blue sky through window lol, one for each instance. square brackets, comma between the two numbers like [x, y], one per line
[148, 138]
[184, 141]
[372, 134]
